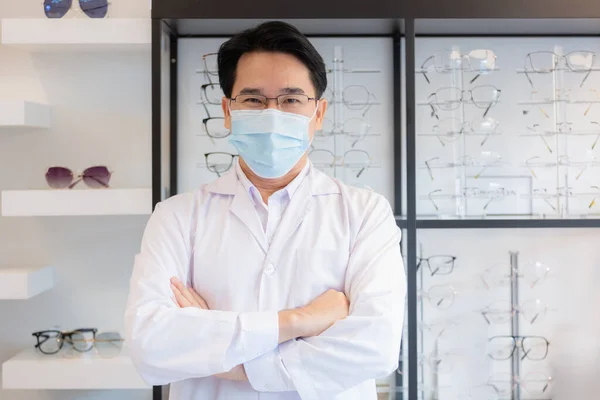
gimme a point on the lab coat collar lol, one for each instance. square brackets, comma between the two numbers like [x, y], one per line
[320, 183]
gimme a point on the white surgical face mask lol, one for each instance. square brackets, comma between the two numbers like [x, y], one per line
[270, 141]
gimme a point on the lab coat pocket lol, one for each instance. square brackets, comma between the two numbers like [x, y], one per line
[318, 270]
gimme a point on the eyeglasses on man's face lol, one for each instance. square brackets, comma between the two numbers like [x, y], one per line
[300, 104]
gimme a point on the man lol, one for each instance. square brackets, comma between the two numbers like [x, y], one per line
[275, 281]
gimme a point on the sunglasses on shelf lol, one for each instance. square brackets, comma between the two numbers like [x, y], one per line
[91, 8]
[62, 178]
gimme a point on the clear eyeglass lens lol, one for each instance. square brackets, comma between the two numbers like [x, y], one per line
[219, 162]
[501, 348]
[535, 348]
[533, 311]
[485, 125]
[356, 159]
[499, 312]
[322, 157]
[82, 341]
[484, 96]
[213, 94]
[210, 63]
[356, 127]
[215, 128]
[482, 60]
[448, 98]
[502, 383]
[580, 61]
[356, 97]
[441, 296]
[50, 342]
[441, 265]
[295, 103]
[541, 62]
[325, 132]
[109, 344]
[444, 60]
[537, 383]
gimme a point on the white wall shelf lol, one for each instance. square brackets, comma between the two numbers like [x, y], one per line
[77, 34]
[33, 370]
[20, 283]
[24, 114]
[65, 202]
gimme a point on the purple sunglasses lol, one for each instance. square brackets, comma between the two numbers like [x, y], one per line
[62, 178]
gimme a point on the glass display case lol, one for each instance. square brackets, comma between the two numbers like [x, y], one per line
[481, 125]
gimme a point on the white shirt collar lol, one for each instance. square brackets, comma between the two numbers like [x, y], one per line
[290, 189]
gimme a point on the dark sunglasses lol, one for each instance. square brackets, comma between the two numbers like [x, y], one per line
[91, 8]
[62, 178]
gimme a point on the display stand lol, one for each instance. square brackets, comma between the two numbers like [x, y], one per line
[514, 300]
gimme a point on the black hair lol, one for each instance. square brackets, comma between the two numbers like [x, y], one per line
[274, 36]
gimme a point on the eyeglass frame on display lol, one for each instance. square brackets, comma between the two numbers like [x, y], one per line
[518, 341]
[560, 57]
[211, 169]
[420, 260]
[461, 56]
[513, 310]
[433, 100]
[363, 167]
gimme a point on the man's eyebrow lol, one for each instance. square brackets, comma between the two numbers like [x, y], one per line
[248, 90]
[292, 90]
[257, 91]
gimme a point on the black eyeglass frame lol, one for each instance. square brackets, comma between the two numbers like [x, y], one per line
[212, 168]
[63, 336]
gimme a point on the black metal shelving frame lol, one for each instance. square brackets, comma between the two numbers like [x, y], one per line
[402, 21]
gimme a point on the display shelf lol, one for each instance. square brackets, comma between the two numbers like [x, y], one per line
[22, 203]
[20, 283]
[527, 222]
[24, 114]
[77, 34]
[31, 369]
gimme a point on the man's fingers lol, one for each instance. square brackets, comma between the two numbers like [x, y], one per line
[199, 299]
[181, 299]
[184, 291]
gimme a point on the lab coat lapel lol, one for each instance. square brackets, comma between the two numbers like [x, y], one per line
[243, 208]
[299, 206]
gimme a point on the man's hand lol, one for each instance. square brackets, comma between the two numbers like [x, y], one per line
[186, 296]
[321, 313]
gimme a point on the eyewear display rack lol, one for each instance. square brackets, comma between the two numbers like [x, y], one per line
[404, 21]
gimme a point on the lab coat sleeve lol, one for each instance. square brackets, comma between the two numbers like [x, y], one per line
[363, 346]
[169, 343]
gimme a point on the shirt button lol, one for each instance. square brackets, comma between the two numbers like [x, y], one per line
[270, 269]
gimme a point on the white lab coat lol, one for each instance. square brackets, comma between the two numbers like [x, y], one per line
[331, 236]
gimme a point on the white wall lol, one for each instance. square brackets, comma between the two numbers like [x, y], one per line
[101, 115]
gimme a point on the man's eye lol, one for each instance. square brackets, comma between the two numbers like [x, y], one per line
[255, 100]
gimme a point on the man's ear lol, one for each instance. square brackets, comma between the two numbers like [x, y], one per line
[320, 115]
[226, 113]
